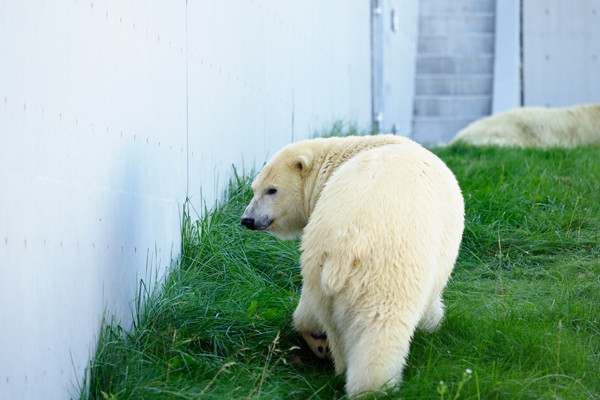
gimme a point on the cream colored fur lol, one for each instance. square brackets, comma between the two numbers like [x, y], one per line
[536, 127]
[382, 220]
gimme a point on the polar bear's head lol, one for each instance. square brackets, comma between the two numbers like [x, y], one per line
[279, 203]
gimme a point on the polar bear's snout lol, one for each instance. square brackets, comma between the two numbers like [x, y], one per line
[248, 223]
[254, 220]
[256, 224]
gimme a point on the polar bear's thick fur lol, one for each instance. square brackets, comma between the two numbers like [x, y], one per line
[381, 220]
[535, 127]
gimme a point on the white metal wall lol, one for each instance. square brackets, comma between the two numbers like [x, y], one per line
[103, 106]
[265, 73]
[92, 167]
[561, 52]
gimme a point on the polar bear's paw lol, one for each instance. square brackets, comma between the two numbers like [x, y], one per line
[318, 343]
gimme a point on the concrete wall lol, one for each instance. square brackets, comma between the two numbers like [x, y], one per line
[111, 113]
[561, 52]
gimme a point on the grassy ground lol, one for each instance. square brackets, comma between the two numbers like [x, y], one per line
[522, 307]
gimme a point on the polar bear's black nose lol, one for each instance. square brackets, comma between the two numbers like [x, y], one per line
[248, 223]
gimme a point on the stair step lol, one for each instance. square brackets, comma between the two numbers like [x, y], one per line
[444, 7]
[431, 131]
[444, 64]
[454, 24]
[454, 77]
[452, 105]
[454, 84]
[456, 44]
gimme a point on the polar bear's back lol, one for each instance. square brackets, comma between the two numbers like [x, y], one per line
[387, 217]
[536, 127]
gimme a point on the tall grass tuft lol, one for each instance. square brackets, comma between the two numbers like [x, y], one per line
[522, 307]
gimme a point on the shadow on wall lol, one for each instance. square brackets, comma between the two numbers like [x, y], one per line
[131, 224]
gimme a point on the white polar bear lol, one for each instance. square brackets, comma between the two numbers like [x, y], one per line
[535, 127]
[382, 220]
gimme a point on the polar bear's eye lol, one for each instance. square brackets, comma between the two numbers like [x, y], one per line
[271, 191]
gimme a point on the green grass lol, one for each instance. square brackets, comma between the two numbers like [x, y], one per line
[522, 306]
[342, 128]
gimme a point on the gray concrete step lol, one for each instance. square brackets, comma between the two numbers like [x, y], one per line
[454, 77]
[456, 44]
[472, 84]
[456, 24]
[452, 105]
[432, 131]
[470, 64]
[445, 7]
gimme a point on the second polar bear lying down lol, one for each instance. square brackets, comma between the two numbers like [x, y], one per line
[535, 127]
[381, 220]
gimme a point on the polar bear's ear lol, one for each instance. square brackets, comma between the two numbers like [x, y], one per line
[303, 162]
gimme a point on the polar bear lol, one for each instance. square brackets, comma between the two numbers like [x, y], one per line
[535, 127]
[381, 220]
